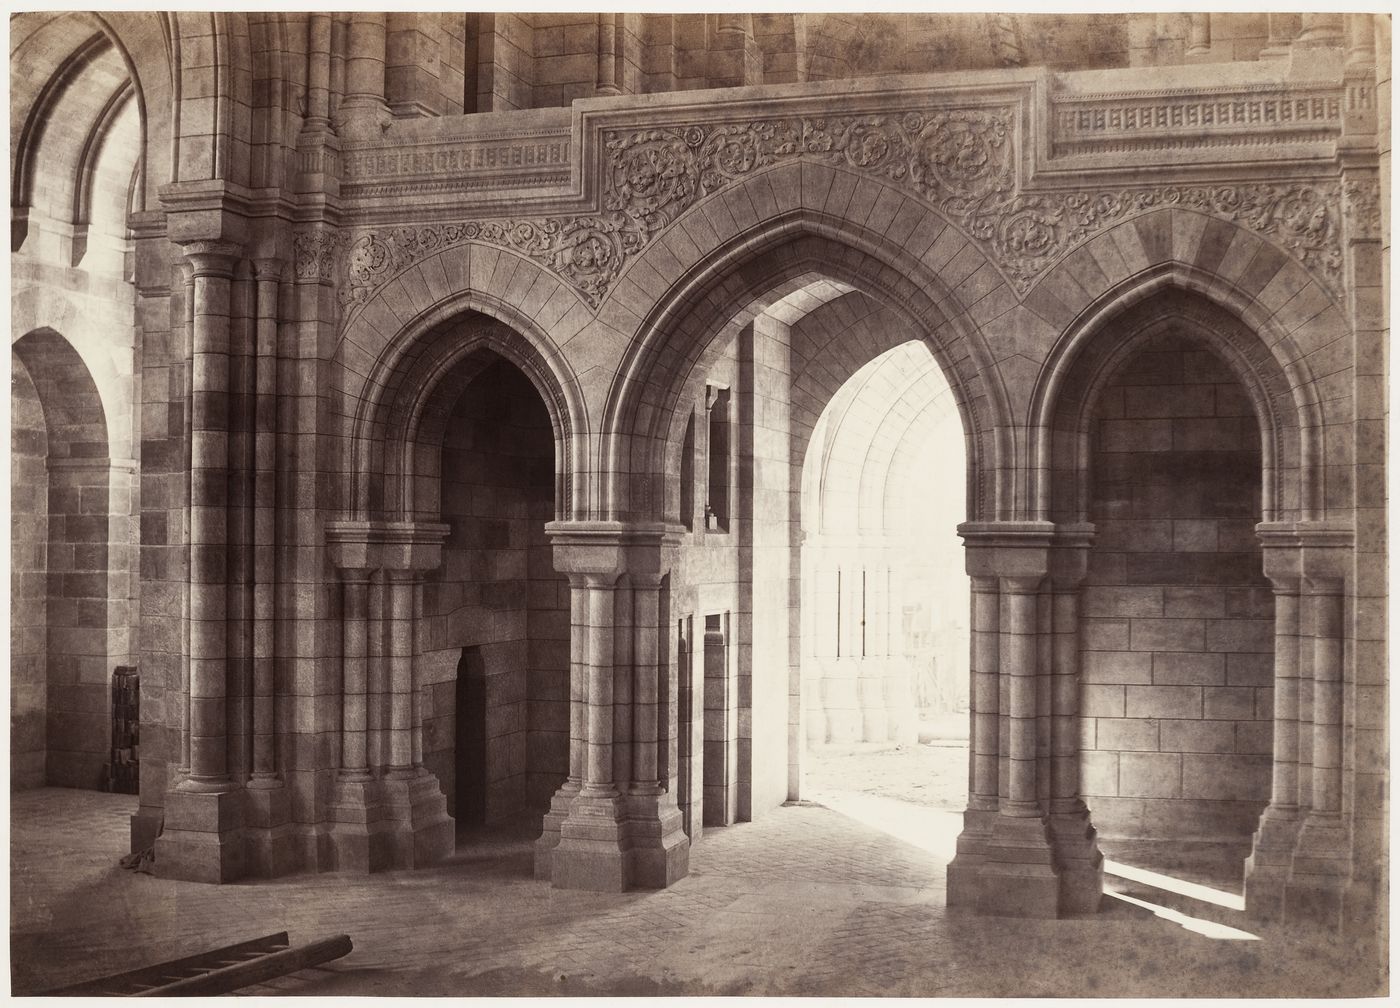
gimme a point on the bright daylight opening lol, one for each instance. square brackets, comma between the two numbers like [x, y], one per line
[885, 601]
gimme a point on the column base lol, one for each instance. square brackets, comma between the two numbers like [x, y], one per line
[267, 816]
[203, 837]
[659, 854]
[965, 869]
[146, 826]
[383, 824]
[426, 833]
[1018, 877]
[1320, 872]
[559, 806]
[1078, 861]
[592, 849]
[1267, 868]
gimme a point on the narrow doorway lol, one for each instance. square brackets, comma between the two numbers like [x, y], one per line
[470, 805]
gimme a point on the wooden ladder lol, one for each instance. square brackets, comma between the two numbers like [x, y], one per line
[219, 971]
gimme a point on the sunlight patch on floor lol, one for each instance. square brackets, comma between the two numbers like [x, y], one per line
[1209, 929]
[1171, 884]
[929, 829]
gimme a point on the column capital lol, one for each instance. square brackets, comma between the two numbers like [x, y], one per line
[206, 210]
[211, 258]
[1007, 549]
[1327, 549]
[1069, 555]
[1021, 584]
[388, 546]
[612, 548]
[1283, 557]
[269, 268]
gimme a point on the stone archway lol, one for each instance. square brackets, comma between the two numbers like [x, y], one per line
[1296, 550]
[724, 321]
[68, 605]
[461, 433]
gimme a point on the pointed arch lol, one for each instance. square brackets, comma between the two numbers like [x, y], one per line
[929, 278]
[1279, 386]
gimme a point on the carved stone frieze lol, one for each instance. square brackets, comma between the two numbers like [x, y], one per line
[961, 161]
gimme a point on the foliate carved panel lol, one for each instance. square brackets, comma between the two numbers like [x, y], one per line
[1361, 206]
[960, 161]
[316, 255]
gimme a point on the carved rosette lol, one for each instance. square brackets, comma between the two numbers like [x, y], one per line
[959, 160]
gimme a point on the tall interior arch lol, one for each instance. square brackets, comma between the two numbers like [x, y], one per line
[1177, 438]
[784, 326]
[459, 462]
[76, 174]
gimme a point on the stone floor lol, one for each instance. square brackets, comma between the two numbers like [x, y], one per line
[844, 898]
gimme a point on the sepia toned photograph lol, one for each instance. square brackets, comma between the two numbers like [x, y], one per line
[686, 504]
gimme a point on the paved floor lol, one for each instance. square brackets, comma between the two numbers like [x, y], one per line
[807, 900]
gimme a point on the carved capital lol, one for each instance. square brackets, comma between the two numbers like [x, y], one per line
[211, 258]
[315, 253]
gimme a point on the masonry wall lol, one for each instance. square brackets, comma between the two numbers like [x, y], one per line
[497, 591]
[707, 581]
[765, 363]
[1177, 635]
[29, 535]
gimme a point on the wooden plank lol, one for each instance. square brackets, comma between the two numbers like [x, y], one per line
[159, 973]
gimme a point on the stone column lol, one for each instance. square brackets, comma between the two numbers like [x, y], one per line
[354, 675]
[268, 816]
[317, 146]
[387, 810]
[1267, 867]
[318, 72]
[1322, 856]
[983, 750]
[1321, 866]
[607, 55]
[1017, 874]
[187, 274]
[1077, 855]
[1018, 599]
[1320, 31]
[203, 836]
[402, 589]
[660, 853]
[363, 112]
[1361, 42]
[1198, 41]
[269, 273]
[613, 838]
[1282, 30]
[563, 799]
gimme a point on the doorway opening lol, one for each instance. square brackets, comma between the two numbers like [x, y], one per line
[884, 595]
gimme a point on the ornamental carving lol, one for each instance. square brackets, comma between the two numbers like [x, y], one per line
[315, 255]
[960, 161]
[1361, 205]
